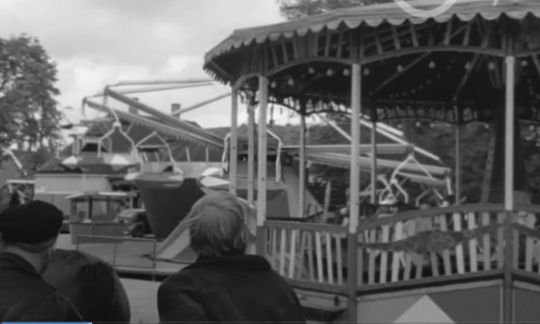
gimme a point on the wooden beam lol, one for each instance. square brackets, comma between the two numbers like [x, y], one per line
[448, 33]
[262, 154]
[374, 163]
[233, 147]
[251, 154]
[510, 62]
[465, 77]
[397, 45]
[302, 164]
[355, 141]
[414, 35]
[397, 75]
[458, 163]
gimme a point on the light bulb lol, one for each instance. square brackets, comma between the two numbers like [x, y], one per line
[329, 72]
[273, 84]
[291, 82]
[431, 65]
[346, 72]
[311, 70]
[366, 71]
[400, 68]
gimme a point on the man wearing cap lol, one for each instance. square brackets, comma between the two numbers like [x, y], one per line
[28, 234]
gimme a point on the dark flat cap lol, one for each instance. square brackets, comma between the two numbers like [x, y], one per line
[34, 222]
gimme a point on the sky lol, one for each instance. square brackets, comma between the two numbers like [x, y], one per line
[100, 42]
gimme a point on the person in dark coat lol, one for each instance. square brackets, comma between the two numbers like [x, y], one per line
[224, 284]
[91, 284]
[28, 234]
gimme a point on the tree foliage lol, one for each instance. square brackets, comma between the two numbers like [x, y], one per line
[294, 9]
[28, 109]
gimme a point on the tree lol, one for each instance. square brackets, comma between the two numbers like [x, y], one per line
[28, 109]
[294, 9]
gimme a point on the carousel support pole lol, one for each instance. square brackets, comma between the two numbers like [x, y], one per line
[251, 153]
[508, 302]
[374, 163]
[458, 164]
[302, 164]
[353, 260]
[261, 158]
[233, 148]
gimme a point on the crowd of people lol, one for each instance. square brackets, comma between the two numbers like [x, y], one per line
[39, 283]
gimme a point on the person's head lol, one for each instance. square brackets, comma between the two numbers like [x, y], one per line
[31, 231]
[217, 226]
[91, 284]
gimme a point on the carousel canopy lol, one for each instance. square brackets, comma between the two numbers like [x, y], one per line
[448, 68]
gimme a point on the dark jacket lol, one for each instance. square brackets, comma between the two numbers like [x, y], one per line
[228, 289]
[25, 296]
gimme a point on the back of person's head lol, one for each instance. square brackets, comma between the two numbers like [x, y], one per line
[32, 227]
[217, 225]
[91, 284]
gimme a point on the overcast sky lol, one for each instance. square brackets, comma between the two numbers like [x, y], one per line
[100, 42]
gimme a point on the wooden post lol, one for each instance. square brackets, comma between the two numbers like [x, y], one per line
[509, 188]
[302, 164]
[458, 164]
[352, 257]
[261, 158]
[374, 163]
[509, 135]
[251, 154]
[233, 147]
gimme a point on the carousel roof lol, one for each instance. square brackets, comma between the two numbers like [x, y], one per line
[374, 16]
[447, 68]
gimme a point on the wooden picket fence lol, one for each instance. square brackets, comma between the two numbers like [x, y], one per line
[437, 244]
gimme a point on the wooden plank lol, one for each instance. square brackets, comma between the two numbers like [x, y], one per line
[434, 264]
[311, 262]
[397, 257]
[340, 44]
[500, 241]
[419, 264]
[515, 246]
[407, 267]
[447, 261]
[282, 249]
[529, 254]
[371, 261]
[339, 260]
[459, 248]
[486, 246]
[467, 35]
[274, 247]
[384, 255]
[318, 255]
[414, 36]
[447, 35]
[284, 49]
[395, 37]
[292, 254]
[329, 259]
[473, 243]
[327, 44]
[302, 255]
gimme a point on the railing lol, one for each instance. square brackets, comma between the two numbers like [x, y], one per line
[112, 250]
[431, 243]
[310, 252]
[410, 247]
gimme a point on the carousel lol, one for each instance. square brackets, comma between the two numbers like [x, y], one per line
[476, 62]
